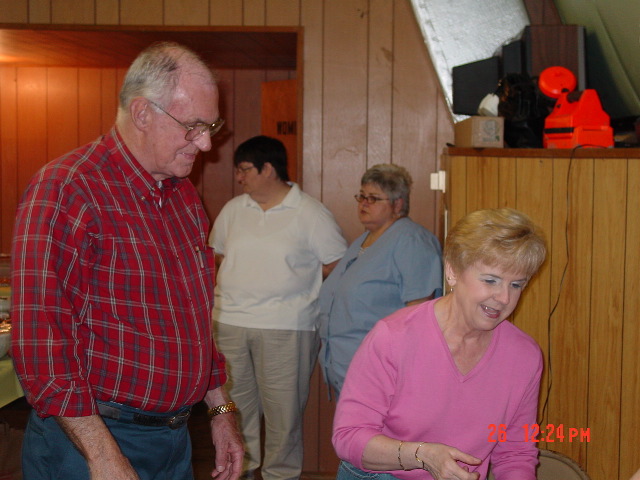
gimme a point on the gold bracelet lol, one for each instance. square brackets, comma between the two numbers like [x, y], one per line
[416, 454]
[400, 461]
[226, 408]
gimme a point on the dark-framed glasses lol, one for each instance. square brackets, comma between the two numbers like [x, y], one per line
[244, 170]
[369, 199]
[197, 129]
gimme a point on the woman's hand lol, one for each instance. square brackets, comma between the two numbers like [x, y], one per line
[441, 462]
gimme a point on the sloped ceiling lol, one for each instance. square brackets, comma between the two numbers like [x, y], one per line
[464, 31]
[613, 50]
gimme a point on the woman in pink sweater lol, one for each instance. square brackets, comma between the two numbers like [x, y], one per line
[444, 389]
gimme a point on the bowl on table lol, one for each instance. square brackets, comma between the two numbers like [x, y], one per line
[5, 304]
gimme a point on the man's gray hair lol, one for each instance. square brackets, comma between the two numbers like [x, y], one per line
[155, 73]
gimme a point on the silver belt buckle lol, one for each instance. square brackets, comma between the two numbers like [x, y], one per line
[178, 420]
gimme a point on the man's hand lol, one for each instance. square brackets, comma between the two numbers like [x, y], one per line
[229, 448]
[226, 438]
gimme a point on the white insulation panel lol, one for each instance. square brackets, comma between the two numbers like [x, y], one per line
[463, 31]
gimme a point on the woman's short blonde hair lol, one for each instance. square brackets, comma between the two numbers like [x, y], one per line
[497, 237]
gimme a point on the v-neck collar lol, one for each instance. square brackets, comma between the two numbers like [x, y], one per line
[481, 363]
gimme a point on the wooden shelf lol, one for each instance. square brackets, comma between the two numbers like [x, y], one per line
[545, 152]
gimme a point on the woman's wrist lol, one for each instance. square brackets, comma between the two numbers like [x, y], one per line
[418, 459]
[410, 455]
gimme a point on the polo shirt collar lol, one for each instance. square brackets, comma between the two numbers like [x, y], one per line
[291, 200]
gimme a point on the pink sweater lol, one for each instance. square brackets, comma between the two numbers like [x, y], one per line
[403, 383]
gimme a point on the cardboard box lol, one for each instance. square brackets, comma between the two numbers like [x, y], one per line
[480, 132]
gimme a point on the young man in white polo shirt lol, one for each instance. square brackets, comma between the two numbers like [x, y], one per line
[274, 245]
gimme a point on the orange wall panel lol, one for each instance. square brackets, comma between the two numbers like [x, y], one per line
[62, 111]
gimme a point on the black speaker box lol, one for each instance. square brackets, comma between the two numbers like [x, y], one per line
[472, 82]
[513, 58]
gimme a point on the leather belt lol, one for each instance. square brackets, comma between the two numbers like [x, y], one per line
[172, 421]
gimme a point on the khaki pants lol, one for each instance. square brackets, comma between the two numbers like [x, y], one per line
[269, 372]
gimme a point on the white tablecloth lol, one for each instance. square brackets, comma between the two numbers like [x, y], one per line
[10, 389]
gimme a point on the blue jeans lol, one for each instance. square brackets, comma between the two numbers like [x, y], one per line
[156, 453]
[346, 471]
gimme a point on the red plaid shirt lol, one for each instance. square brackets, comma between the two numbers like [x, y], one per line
[111, 294]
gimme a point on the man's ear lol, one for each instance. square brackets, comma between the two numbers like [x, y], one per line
[268, 170]
[140, 111]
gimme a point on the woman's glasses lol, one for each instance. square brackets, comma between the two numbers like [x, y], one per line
[369, 199]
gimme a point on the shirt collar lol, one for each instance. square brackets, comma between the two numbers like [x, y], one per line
[141, 180]
[291, 200]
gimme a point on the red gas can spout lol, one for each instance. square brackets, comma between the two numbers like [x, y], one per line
[554, 81]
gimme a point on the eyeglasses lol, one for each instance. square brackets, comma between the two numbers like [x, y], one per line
[370, 199]
[196, 130]
[244, 170]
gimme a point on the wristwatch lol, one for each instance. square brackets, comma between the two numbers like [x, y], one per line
[226, 408]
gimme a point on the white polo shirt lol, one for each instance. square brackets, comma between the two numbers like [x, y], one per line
[272, 269]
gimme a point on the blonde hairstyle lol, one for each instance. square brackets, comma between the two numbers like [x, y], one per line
[497, 237]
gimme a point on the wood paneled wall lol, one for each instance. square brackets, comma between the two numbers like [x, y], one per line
[47, 111]
[370, 95]
[582, 308]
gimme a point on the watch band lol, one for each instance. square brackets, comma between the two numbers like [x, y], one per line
[226, 408]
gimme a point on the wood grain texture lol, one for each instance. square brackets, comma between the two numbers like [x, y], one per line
[380, 82]
[8, 154]
[142, 12]
[253, 12]
[218, 179]
[607, 286]
[629, 456]
[282, 12]
[107, 12]
[73, 11]
[62, 103]
[39, 11]
[414, 131]
[110, 82]
[311, 88]
[532, 180]
[31, 101]
[344, 109]
[14, 11]
[177, 13]
[89, 105]
[542, 12]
